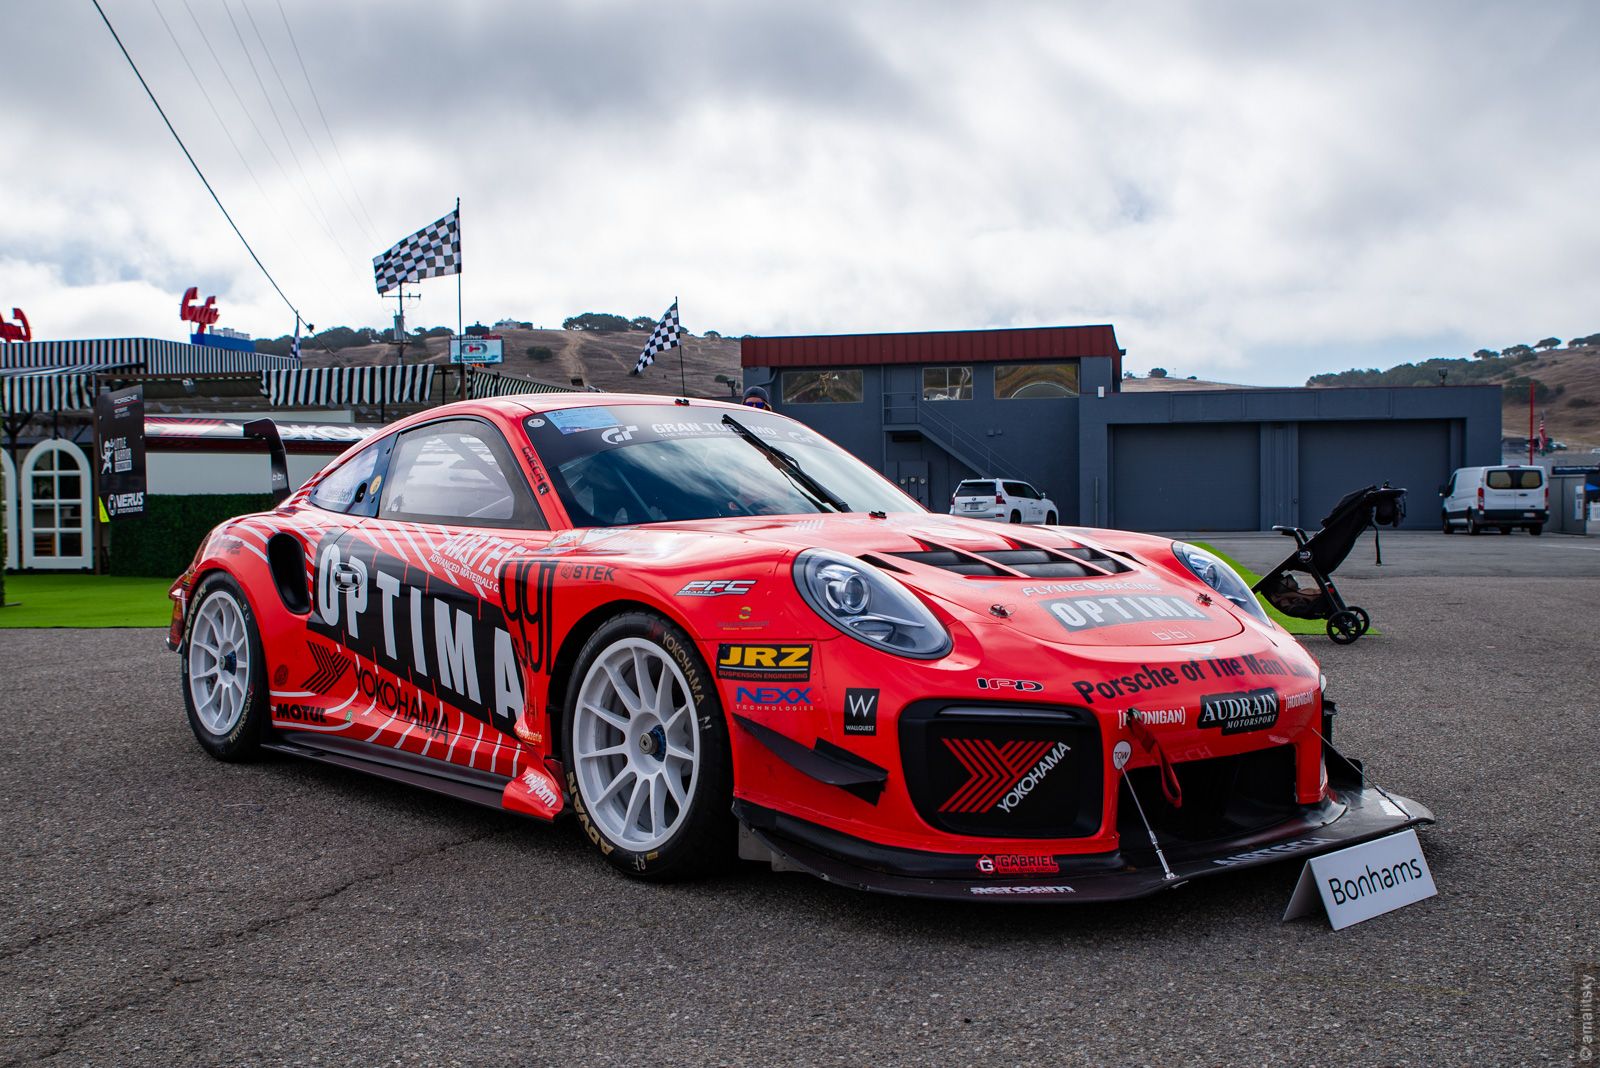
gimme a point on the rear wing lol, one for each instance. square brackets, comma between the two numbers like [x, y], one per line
[214, 434]
[266, 430]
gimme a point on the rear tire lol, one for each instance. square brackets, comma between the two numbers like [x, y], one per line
[1016, 517]
[1536, 529]
[648, 764]
[1446, 524]
[1472, 526]
[1361, 615]
[224, 671]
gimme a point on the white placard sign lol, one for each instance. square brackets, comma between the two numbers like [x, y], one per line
[1364, 881]
[476, 350]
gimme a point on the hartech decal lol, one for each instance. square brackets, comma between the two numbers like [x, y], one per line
[999, 774]
[761, 663]
[422, 630]
[1088, 613]
[1236, 713]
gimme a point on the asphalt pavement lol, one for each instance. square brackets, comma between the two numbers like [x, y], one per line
[158, 907]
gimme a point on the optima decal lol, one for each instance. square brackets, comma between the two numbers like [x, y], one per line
[1236, 713]
[1088, 613]
[420, 629]
[761, 663]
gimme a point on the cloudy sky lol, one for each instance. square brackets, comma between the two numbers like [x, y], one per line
[1251, 192]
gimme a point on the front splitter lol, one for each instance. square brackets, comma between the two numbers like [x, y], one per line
[1356, 814]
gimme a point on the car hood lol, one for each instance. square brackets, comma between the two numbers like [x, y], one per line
[1068, 586]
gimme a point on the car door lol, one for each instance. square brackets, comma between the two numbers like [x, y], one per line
[440, 677]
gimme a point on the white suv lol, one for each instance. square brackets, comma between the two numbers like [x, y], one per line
[1003, 499]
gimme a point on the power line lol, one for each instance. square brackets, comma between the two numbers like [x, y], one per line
[287, 140]
[186, 155]
[311, 209]
[339, 155]
[226, 132]
[273, 64]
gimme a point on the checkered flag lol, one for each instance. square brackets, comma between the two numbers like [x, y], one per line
[431, 252]
[665, 337]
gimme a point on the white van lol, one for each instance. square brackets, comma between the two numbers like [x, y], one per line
[1500, 497]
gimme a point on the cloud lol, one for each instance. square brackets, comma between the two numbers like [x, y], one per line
[1245, 191]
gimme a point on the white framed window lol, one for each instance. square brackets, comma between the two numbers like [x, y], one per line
[55, 507]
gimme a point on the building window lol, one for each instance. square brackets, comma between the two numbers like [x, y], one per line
[1035, 381]
[946, 383]
[821, 387]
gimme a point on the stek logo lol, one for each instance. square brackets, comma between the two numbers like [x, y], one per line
[717, 587]
[618, 434]
[861, 711]
[772, 695]
[999, 774]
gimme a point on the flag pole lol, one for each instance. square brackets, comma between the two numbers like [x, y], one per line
[682, 382]
[460, 333]
[1530, 423]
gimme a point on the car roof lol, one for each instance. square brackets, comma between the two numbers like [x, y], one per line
[544, 402]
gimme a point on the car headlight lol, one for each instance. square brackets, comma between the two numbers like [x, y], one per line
[1219, 576]
[868, 605]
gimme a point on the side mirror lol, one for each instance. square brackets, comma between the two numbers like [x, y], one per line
[1444, 490]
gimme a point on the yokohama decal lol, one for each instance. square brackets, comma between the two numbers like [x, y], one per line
[1000, 775]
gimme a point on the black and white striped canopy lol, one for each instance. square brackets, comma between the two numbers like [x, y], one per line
[335, 386]
[51, 389]
[152, 356]
[488, 384]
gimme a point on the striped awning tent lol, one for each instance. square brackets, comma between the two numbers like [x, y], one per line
[152, 356]
[27, 390]
[336, 386]
[483, 384]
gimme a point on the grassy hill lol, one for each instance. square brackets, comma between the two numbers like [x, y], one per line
[599, 359]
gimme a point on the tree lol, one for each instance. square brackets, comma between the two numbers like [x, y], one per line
[599, 323]
[1485, 354]
[1579, 342]
[1548, 343]
[539, 352]
[476, 330]
[731, 383]
[712, 334]
[1516, 352]
[1127, 374]
[642, 322]
[1158, 372]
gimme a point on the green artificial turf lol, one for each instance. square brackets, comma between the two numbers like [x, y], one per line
[1288, 623]
[80, 600]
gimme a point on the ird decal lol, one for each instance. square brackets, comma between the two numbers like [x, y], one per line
[425, 631]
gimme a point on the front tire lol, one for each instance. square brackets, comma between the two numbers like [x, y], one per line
[1536, 529]
[1446, 524]
[1016, 517]
[224, 671]
[646, 749]
[1050, 519]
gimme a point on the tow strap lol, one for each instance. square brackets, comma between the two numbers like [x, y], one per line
[1170, 787]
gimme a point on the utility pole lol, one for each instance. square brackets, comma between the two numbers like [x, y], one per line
[400, 297]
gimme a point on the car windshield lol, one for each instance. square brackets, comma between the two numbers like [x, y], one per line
[974, 489]
[645, 463]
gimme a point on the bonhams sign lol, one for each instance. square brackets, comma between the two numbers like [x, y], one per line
[119, 449]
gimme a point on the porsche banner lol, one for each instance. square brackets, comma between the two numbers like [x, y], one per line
[119, 446]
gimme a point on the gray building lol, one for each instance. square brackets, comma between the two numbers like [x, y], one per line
[1045, 405]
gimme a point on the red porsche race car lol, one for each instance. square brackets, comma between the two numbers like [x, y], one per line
[710, 633]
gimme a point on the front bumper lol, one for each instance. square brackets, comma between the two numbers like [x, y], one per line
[1354, 813]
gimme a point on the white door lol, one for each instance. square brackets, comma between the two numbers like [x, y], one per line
[8, 476]
[55, 507]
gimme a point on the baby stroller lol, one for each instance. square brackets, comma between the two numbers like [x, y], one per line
[1317, 555]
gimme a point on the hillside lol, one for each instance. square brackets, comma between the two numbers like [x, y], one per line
[601, 360]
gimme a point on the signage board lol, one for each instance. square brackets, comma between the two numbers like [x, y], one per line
[1364, 881]
[476, 350]
[119, 449]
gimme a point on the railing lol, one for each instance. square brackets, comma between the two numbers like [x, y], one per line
[910, 409]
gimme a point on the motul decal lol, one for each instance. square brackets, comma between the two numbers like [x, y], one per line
[1000, 774]
[418, 628]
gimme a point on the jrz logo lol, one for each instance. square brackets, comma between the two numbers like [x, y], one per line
[767, 696]
[717, 587]
[762, 662]
[861, 711]
[1000, 774]
[421, 630]
[1236, 713]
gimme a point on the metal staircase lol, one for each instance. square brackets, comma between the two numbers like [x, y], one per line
[908, 411]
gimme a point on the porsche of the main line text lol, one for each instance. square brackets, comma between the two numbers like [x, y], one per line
[708, 633]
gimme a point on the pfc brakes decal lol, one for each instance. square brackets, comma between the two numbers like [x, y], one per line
[421, 629]
[999, 774]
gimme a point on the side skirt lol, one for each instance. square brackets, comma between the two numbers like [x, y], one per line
[478, 787]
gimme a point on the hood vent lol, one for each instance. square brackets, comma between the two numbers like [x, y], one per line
[1023, 561]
